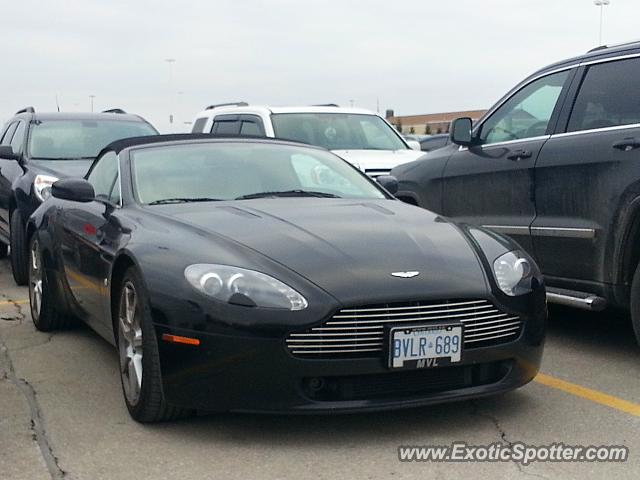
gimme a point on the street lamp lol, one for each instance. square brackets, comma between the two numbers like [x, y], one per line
[601, 4]
[91, 97]
[170, 61]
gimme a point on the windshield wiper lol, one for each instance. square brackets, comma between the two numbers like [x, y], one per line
[288, 193]
[63, 158]
[184, 200]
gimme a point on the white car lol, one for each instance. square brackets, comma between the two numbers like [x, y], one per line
[359, 136]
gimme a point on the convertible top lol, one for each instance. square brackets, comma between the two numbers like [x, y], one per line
[120, 145]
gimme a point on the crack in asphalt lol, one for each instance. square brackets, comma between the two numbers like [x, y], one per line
[19, 316]
[475, 410]
[39, 432]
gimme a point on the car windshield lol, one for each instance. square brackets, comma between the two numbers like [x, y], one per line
[241, 171]
[337, 131]
[69, 139]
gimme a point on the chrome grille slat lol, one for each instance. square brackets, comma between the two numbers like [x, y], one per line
[393, 309]
[413, 319]
[400, 314]
[361, 330]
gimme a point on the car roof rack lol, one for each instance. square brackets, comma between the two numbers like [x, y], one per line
[114, 110]
[612, 45]
[230, 104]
[26, 110]
[326, 105]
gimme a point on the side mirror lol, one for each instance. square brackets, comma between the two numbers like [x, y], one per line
[389, 183]
[7, 152]
[461, 131]
[413, 145]
[74, 189]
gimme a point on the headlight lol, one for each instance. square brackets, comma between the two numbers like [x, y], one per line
[514, 273]
[243, 287]
[42, 186]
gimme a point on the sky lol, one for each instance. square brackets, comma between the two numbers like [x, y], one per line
[413, 56]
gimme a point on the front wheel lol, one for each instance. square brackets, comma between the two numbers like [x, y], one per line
[19, 253]
[635, 303]
[138, 354]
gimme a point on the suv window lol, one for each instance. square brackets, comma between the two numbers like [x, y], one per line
[526, 114]
[104, 177]
[198, 125]
[226, 125]
[608, 96]
[17, 141]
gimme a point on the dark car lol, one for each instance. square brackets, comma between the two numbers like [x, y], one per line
[38, 148]
[555, 164]
[264, 275]
[434, 142]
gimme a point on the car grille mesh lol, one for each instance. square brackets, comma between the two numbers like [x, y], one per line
[360, 331]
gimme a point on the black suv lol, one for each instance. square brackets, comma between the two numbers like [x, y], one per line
[38, 148]
[555, 164]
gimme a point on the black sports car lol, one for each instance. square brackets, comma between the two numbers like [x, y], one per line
[262, 275]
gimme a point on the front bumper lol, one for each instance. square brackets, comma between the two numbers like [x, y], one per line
[256, 373]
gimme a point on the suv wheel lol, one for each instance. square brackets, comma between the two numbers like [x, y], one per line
[19, 253]
[635, 303]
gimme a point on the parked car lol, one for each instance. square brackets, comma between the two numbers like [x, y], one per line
[232, 274]
[411, 137]
[434, 142]
[359, 136]
[38, 148]
[555, 165]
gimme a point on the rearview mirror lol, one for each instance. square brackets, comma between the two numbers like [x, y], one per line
[389, 183]
[7, 152]
[74, 189]
[461, 131]
[413, 145]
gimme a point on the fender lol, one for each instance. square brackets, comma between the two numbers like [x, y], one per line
[625, 231]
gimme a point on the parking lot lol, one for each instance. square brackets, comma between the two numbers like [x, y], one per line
[62, 415]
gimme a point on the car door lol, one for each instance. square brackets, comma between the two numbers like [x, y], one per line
[9, 170]
[587, 171]
[491, 183]
[90, 240]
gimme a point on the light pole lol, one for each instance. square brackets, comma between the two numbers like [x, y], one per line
[170, 61]
[91, 97]
[601, 4]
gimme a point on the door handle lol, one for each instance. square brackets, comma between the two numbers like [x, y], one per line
[627, 144]
[519, 155]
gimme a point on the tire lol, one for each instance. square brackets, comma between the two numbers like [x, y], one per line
[44, 312]
[3, 250]
[635, 303]
[138, 355]
[19, 249]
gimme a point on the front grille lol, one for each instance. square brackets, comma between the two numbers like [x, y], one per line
[376, 172]
[360, 331]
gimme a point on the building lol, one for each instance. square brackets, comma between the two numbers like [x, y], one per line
[430, 123]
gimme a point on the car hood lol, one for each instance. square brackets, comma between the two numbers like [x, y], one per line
[378, 159]
[350, 248]
[62, 168]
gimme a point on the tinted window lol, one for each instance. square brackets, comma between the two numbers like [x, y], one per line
[526, 114]
[608, 96]
[227, 171]
[337, 131]
[198, 125]
[433, 143]
[103, 177]
[226, 125]
[63, 139]
[6, 138]
[17, 141]
[250, 128]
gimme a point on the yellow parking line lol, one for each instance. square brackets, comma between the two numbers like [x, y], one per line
[14, 302]
[589, 394]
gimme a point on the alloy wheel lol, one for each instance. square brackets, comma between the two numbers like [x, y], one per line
[35, 280]
[130, 343]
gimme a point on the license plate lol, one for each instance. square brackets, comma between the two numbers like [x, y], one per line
[421, 347]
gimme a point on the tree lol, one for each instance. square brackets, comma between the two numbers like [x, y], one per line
[439, 130]
[399, 125]
[427, 129]
[412, 130]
